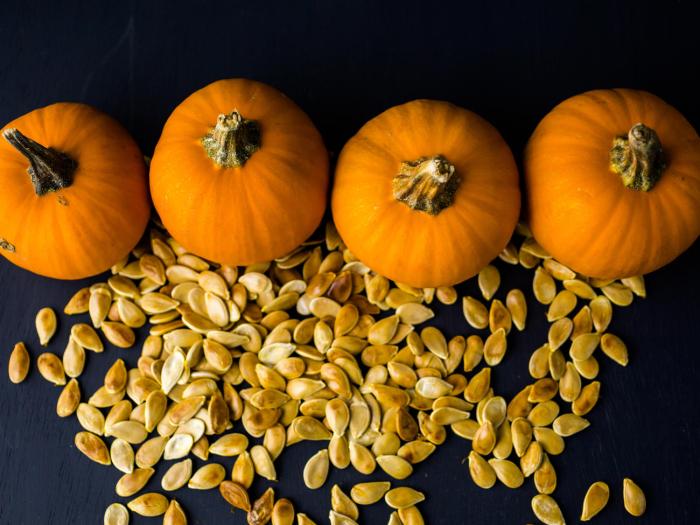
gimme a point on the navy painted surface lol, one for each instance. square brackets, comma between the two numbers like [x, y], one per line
[344, 62]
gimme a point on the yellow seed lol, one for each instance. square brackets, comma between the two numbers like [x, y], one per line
[116, 514]
[478, 386]
[261, 511]
[243, 471]
[559, 332]
[341, 503]
[177, 475]
[507, 473]
[86, 337]
[521, 432]
[445, 294]
[229, 445]
[282, 512]
[495, 347]
[601, 313]
[18, 365]
[402, 497]
[473, 353]
[475, 313]
[569, 424]
[207, 477]
[517, 306]
[362, 459]
[370, 492]
[51, 368]
[489, 280]
[636, 284]
[263, 463]
[78, 304]
[538, 365]
[614, 348]
[595, 500]
[543, 390]
[588, 398]
[93, 447]
[69, 399]
[150, 504]
[45, 325]
[316, 470]
[98, 305]
[544, 287]
[618, 294]
[118, 334]
[484, 439]
[547, 510]
[634, 498]
[481, 471]
[411, 516]
[545, 477]
[115, 378]
[532, 459]
[570, 384]
[562, 304]
[395, 466]
[174, 515]
[551, 442]
[583, 346]
[543, 414]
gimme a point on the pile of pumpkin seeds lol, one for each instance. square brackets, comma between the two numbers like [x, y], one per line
[316, 346]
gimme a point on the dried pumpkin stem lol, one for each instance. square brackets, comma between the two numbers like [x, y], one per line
[426, 184]
[232, 141]
[638, 158]
[50, 170]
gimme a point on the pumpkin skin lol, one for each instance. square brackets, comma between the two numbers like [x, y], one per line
[579, 209]
[83, 228]
[436, 247]
[243, 214]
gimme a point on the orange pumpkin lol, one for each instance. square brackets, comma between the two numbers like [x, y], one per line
[426, 193]
[240, 173]
[613, 183]
[74, 198]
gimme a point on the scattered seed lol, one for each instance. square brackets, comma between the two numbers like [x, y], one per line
[614, 348]
[517, 306]
[370, 492]
[175, 514]
[596, 499]
[116, 514]
[489, 280]
[547, 510]
[507, 472]
[93, 447]
[18, 365]
[569, 424]
[149, 505]
[46, 323]
[403, 497]
[236, 495]
[51, 368]
[634, 498]
[207, 477]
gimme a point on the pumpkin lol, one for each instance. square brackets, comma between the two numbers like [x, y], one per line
[426, 193]
[74, 199]
[613, 183]
[240, 173]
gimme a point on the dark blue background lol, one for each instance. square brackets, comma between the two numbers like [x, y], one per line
[344, 62]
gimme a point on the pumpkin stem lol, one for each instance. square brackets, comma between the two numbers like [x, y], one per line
[426, 184]
[233, 140]
[638, 158]
[49, 169]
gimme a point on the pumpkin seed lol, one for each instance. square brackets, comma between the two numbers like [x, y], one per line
[316, 470]
[403, 497]
[478, 386]
[517, 306]
[532, 459]
[521, 433]
[507, 472]
[543, 414]
[86, 337]
[396, 466]
[45, 325]
[481, 472]
[361, 458]
[263, 463]
[411, 516]
[177, 475]
[282, 512]
[595, 500]
[601, 313]
[261, 511]
[122, 455]
[207, 477]
[370, 492]
[174, 515]
[618, 294]
[545, 477]
[18, 365]
[93, 447]
[475, 313]
[446, 295]
[551, 442]
[636, 284]
[570, 384]
[130, 431]
[178, 446]
[130, 314]
[561, 306]
[414, 451]
[614, 348]
[229, 445]
[634, 499]
[485, 438]
[543, 287]
[588, 398]
[489, 280]
[547, 510]
[78, 303]
[303, 519]
[495, 347]
[90, 418]
[338, 519]
[243, 470]
[433, 387]
[235, 494]
[559, 332]
[414, 313]
[538, 366]
[581, 288]
[116, 514]
[583, 346]
[118, 334]
[342, 504]
[499, 317]
[51, 368]
[149, 505]
[132, 483]
[569, 424]
[434, 341]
